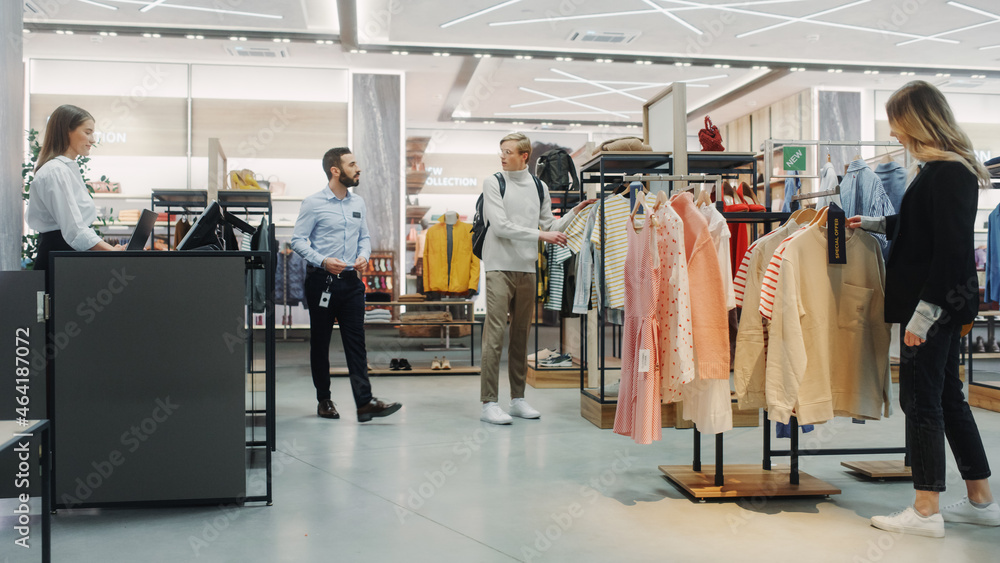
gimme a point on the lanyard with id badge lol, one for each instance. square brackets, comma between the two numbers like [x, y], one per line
[324, 298]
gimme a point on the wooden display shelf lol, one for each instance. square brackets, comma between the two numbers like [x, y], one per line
[884, 469]
[746, 481]
[985, 397]
[603, 416]
[553, 378]
[455, 370]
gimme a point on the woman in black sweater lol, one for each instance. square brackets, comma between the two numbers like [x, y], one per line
[931, 286]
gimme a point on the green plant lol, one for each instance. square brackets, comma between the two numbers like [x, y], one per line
[29, 242]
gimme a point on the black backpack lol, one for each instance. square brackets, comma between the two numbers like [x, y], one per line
[555, 168]
[479, 224]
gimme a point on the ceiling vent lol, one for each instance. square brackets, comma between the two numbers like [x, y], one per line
[257, 52]
[604, 37]
[30, 8]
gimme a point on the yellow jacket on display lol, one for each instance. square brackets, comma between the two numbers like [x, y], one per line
[464, 272]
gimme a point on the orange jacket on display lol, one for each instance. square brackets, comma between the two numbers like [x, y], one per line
[463, 274]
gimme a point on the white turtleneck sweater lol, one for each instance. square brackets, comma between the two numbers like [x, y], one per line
[512, 241]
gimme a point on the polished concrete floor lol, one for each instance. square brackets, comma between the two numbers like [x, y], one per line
[432, 483]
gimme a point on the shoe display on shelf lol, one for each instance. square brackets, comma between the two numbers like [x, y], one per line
[394, 364]
[445, 364]
[493, 414]
[435, 364]
[404, 365]
[993, 347]
[541, 355]
[563, 361]
[980, 346]
[909, 521]
[964, 512]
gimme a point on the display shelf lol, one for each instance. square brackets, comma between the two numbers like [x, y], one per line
[287, 198]
[620, 162]
[888, 469]
[107, 195]
[717, 160]
[746, 481]
[131, 224]
[455, 370]
[416, 212]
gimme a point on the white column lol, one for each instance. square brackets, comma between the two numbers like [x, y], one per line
[11, 134]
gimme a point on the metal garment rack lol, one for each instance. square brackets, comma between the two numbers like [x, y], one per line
[771, 144]
[564, 206]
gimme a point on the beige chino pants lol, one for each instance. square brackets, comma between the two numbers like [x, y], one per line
[510, 293]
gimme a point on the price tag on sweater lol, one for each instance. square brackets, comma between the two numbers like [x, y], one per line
[836, 235]
[643, 361]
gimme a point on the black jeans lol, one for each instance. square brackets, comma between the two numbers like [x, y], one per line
[930, 393]
[347, 307]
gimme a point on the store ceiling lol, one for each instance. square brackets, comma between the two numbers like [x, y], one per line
[712, 45]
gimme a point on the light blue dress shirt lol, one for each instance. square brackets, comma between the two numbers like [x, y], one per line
[328, 227]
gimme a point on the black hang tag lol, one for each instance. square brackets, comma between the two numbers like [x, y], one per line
[357, 214]
[836, 234]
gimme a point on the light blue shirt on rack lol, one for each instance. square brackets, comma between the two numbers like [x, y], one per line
[329, 227]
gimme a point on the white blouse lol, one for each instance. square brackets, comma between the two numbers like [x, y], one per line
[60, 201]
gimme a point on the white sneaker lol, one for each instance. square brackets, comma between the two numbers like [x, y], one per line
[909, 521]
[521, 409]
[963, 511]
[493, 414]
[541, 355]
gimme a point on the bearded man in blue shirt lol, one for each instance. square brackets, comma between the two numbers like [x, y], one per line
[331, 234]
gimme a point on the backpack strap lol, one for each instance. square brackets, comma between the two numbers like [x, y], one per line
[538, 185]
[503, 183]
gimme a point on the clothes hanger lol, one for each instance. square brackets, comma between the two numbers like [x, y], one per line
[888, 157]
[661, 198]
[828, 157]
[805, 215]
[820, 217]
[631, 217]
[704, 197]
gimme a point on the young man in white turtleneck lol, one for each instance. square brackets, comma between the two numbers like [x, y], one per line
[517, 221]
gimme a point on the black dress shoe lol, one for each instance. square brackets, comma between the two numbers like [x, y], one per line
[394, 364]
[327, 409]
[404, 365]
[377, 408]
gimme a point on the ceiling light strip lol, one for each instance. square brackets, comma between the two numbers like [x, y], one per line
[200, 9]
[815, 22]
[601, 112]
[677, 19]
[803, 19]
[592, 83]
[591, 94]
[99, 4]
[479, 13]
[575, 103]
[150, 5]
[974, 10]
[640, 12]
[959, 30]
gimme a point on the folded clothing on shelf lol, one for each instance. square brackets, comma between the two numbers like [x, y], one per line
[378, 316]
[413, 297]
[426, 316]
[126, 215]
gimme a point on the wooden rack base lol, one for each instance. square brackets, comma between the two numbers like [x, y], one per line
[885, 469]
[554, 378]
[461, 370]
[985, 397]
[745, 481]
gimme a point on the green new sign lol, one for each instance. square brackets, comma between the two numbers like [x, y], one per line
[794, 158]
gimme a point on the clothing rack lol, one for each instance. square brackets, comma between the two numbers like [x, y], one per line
[771, 144]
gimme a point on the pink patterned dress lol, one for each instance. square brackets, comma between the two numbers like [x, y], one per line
[639, 396]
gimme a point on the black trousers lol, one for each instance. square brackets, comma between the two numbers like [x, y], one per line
[347, 307]
[51, 241]
[930, 393]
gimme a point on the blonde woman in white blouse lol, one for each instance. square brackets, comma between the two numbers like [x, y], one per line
[60, 207]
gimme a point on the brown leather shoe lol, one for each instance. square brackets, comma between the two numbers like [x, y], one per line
[327, 409]
[377, 408]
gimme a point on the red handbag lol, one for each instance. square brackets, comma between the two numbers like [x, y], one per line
[711, 139]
